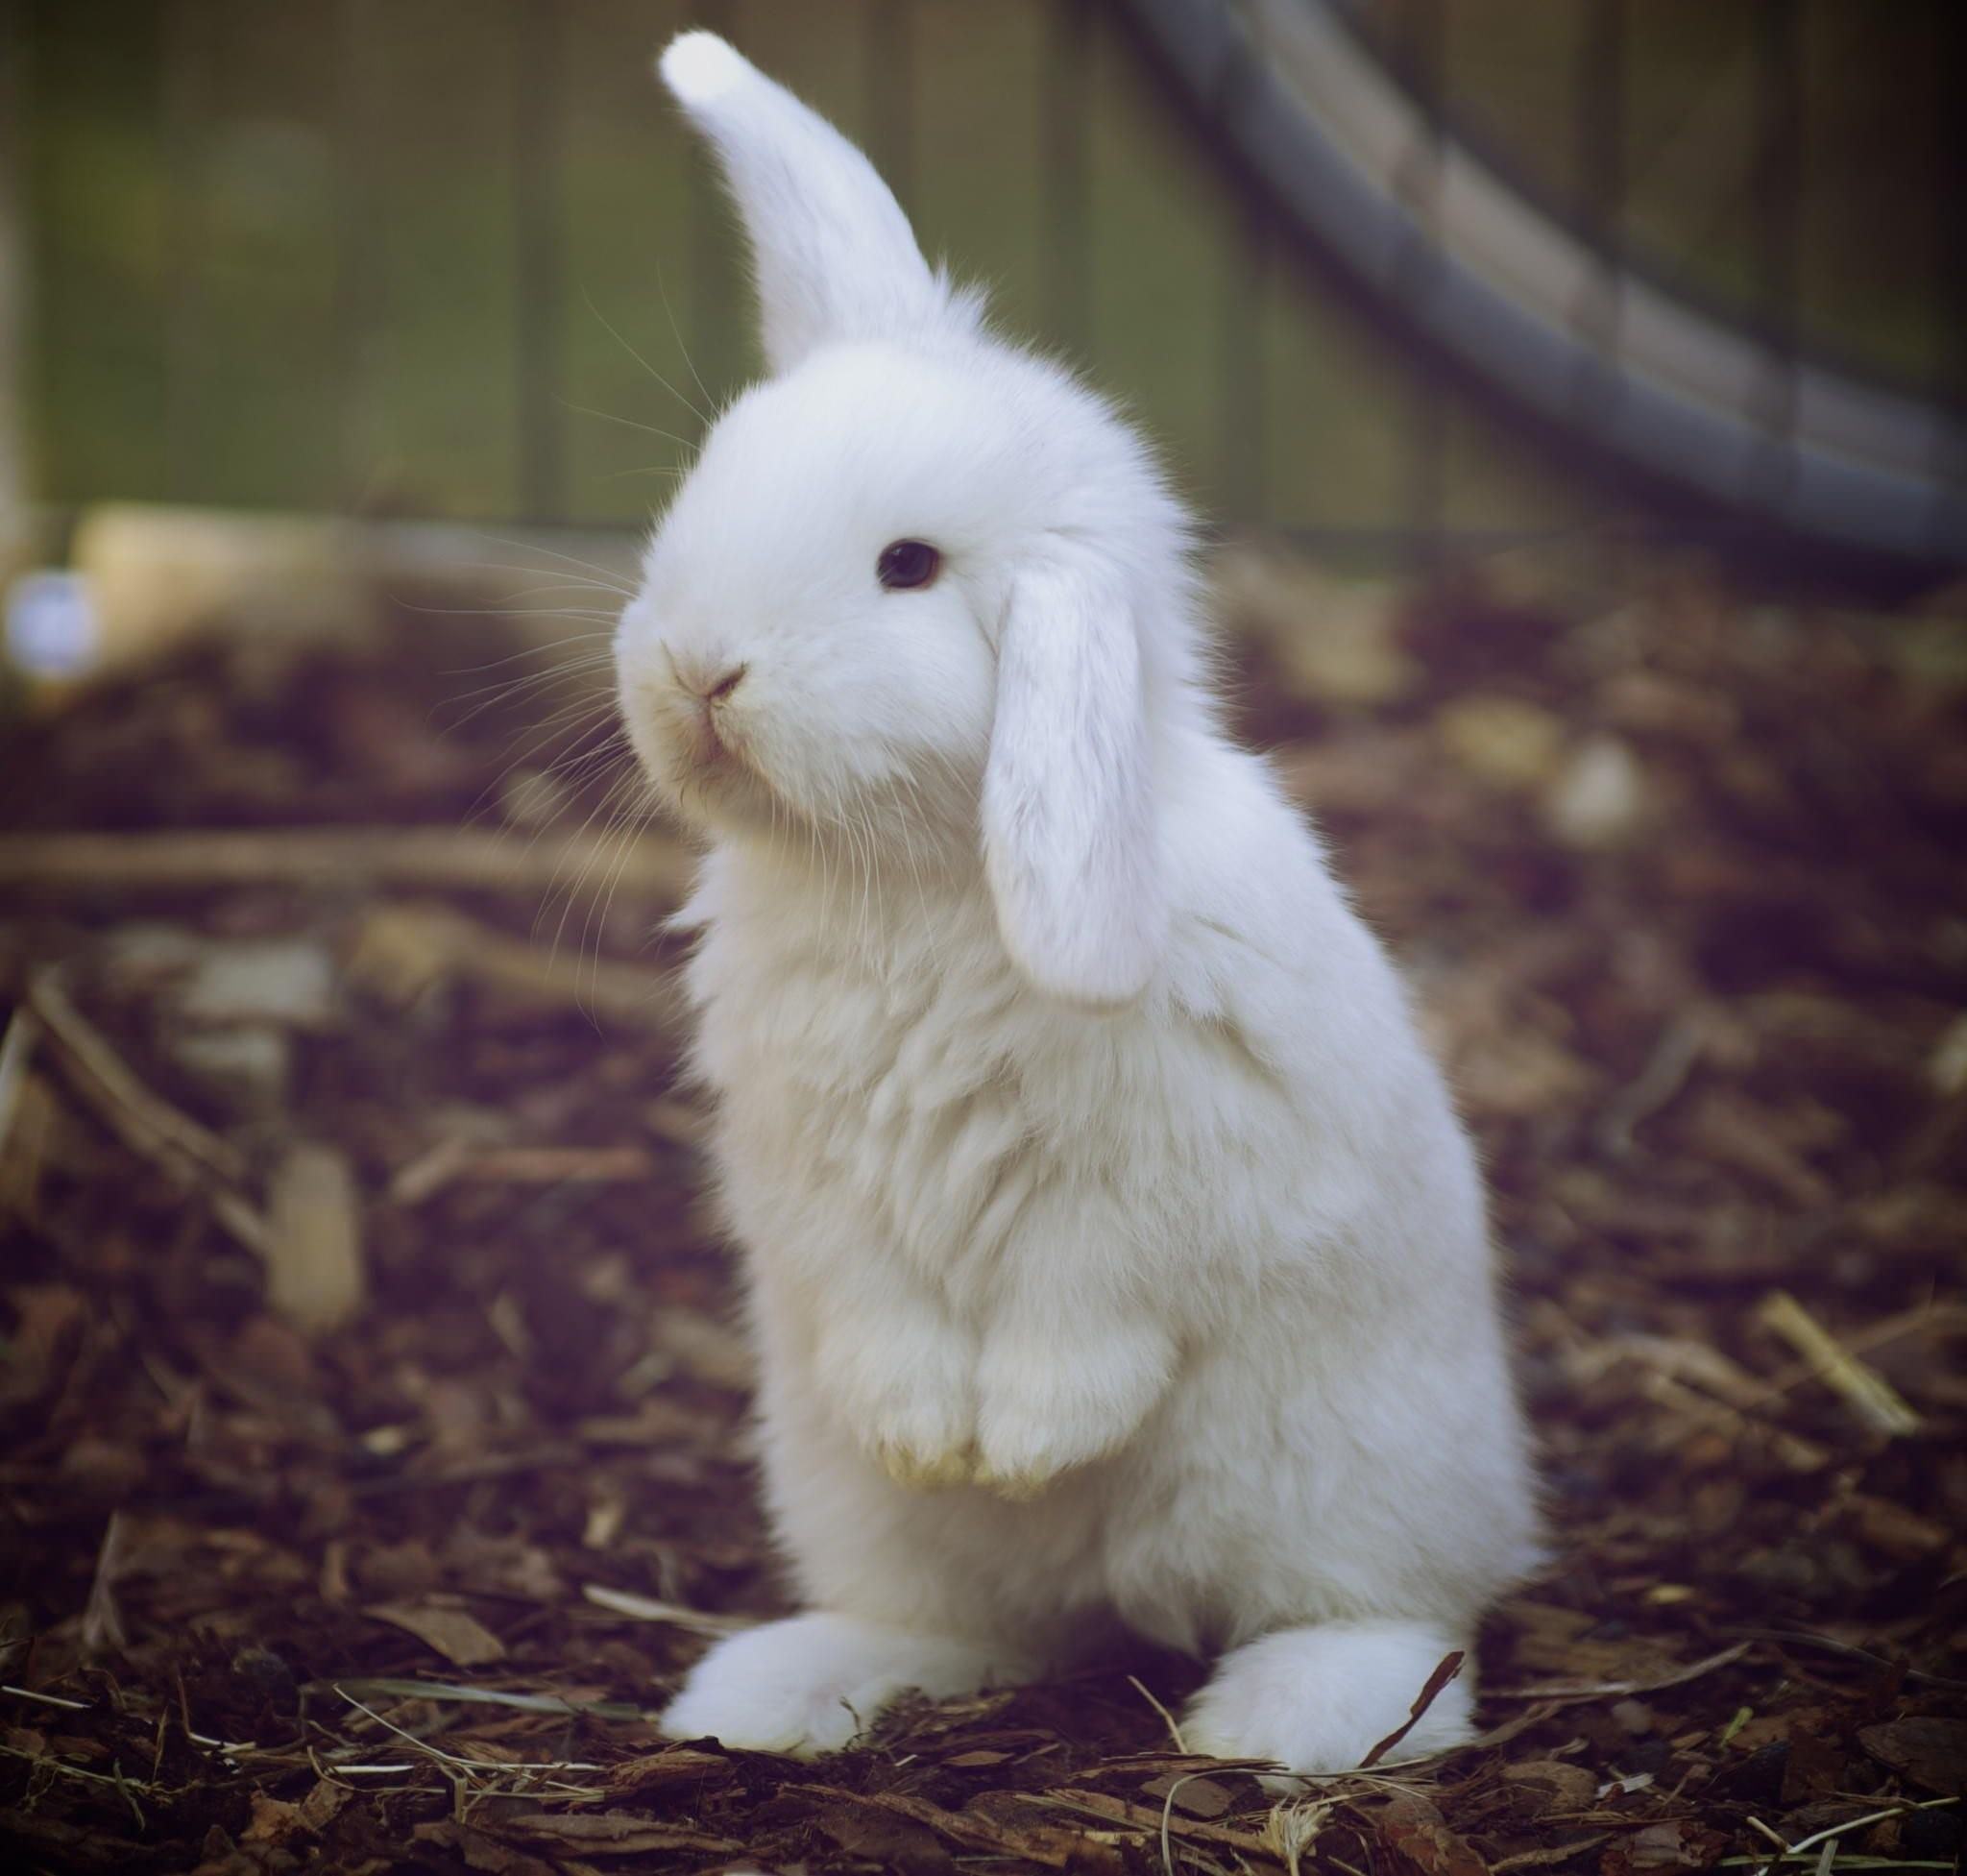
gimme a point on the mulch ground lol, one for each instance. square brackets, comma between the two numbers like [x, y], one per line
[372, 1451]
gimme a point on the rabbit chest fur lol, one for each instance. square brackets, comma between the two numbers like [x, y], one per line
[1256, 1173]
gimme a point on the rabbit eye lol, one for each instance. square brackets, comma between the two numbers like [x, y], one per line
[907, 564]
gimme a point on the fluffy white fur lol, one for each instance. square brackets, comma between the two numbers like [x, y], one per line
[1112, 1251]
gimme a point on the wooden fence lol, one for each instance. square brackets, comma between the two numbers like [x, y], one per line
[455, 258]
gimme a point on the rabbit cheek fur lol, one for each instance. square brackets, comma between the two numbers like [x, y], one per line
[1112, 1253]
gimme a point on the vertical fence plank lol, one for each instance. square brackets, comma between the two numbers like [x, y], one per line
[1422, 60]
[444, 381]
[419, 298]
[189, 52]
[1244, 392]
[1948, 273]
[1776, 189]
[1691, 110]
[1598, 124]
[538, 106]
[1598, 136]
[360, 308]
[1068, 178]
[254, 336]
[98, 212]
[651, 274]
[979, 174]
[16, 284]
[890, 79]
[1947, 375]
[1335, 457]
[1501, 484]
[1881, 105]
[1511, 70]
[1515, 77]
[1776, 177]
[1159, 244]
[1563, 70]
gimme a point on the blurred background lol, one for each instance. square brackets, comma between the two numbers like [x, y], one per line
[1386, 276]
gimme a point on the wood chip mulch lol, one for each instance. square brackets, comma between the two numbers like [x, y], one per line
[372, 1453]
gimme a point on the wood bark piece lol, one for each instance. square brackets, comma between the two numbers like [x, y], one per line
[401, 950]
[467, 860]
[315, 1277]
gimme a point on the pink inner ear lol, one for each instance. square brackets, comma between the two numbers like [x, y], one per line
[1070, 841]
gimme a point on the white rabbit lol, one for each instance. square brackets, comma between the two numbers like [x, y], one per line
[1113, 1254]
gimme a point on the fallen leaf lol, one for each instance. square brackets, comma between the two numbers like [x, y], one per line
[1198, 1797]
[456, 1634]
[1677, 1843]
[885, 1836]
[1931, 1752]
[275, 1821]
[1546, 1785]
[1412, 1832]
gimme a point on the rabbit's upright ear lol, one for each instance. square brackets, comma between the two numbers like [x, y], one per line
[833, 251]
[1071, 841]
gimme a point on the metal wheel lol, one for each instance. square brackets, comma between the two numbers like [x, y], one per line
[1546, 318]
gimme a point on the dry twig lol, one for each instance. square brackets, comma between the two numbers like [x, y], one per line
[191, 1155]
[1569, 1690]
[1446, 1669]
[1876, 1403]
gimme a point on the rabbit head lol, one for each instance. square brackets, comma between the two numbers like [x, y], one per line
[922, 596]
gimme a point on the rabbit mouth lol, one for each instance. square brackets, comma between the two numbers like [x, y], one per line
[711, 760]
[694, 752]
[709, 744]
[709, 769]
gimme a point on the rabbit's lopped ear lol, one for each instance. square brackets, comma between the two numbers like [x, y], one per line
[833, 251]
[1070, 837]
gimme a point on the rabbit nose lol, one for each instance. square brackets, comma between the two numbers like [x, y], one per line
[695, 679]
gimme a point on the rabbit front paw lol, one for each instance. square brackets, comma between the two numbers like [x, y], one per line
[1052, 1403]
[908, 1399]
[925, 1465]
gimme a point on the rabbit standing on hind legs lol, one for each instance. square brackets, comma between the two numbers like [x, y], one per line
[1113, 1256]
